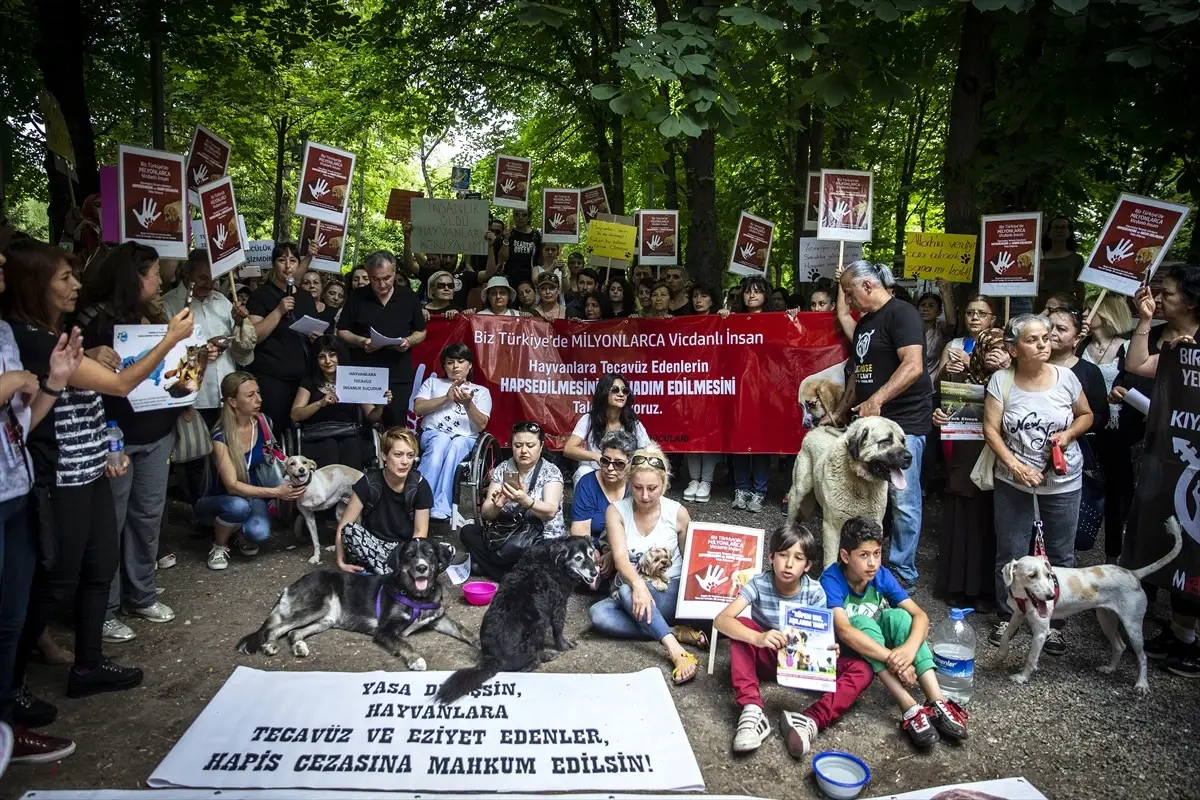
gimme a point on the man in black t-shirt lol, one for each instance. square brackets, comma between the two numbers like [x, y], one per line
[677, 282]
[890, 381]
[524, 249]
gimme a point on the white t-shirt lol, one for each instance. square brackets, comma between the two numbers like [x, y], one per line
[1030, 419]
[451, 418]
[665, 534]
[583, 429]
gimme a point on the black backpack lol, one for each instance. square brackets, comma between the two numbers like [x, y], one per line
[375, 486]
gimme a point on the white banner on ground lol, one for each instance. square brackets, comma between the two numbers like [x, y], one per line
[1002, 789]
[175, 381]
[534, 732]
[309, 794]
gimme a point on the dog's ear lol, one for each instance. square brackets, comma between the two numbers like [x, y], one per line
[312, 465]
[1007, 572]
[857, 443]
[446, 553]
[395, 558]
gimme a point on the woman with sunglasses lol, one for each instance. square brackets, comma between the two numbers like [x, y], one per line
[600, 489]
[524, 499]
[441, 297]
[612, 410]
[642, 521]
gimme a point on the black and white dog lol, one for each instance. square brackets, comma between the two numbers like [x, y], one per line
[530, 604]
[387, 607]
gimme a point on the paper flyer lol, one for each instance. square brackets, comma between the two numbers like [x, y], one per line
[809, 660]
[963, 404]
[177, 378]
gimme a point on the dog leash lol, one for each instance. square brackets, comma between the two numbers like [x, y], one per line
[1039, 550]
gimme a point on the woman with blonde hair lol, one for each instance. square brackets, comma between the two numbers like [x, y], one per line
[644, 528]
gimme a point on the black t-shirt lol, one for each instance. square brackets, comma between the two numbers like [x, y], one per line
[283, 354]
[877, 340]
[524, 250]
[1094, 390]
[479, 263]
[683, 311]
[391, 518]
[400, 317]
[330, 315]
[338, 412]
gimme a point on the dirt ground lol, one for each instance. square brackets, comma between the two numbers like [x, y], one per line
[1072, 732]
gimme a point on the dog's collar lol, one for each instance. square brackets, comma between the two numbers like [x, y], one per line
[1021, 601]
[414, 606]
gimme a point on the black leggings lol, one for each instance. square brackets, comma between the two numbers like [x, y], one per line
[83, 524]
[482, 557]
[1117, 465]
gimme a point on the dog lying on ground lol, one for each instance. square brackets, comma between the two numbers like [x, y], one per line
[654, 565]
[388, 608]
[1041, 593]
[326, 487]
[848, 473]
[530, 604]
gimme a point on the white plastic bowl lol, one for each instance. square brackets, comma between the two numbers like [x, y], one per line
[840, 775]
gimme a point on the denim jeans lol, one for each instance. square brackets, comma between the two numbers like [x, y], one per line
[139, 496]
[614, 616]
[18, 556]
[751, 472]
[251, 513]
[441, 454]
[906, 514]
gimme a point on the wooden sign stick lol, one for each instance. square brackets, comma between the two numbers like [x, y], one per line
[1095, 306]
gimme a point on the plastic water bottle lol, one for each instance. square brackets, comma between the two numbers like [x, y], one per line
[116, 444]
[953, 645]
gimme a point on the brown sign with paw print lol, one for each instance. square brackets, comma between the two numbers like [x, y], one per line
[325, 180]
[151, 199]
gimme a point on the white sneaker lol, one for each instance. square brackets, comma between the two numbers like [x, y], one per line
[752, 730]
[245, 546]
[799, 731]
[754, 502]
[218, 557]
[155, 612]
[739, 499]
[690, 492]
[703, 491]
[116, 632]
[167, 561]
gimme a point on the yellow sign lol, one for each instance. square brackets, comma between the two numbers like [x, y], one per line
[939, 255]
[57, 137]
[611, 240]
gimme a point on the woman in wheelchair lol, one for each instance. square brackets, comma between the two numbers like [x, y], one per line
[453, 413]
[331, 432]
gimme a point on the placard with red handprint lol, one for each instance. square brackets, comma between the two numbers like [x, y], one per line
[1133, 243]
[207, 161]
[594, 200]
[151, 196]
[718, 561]
[658, 237]
[560, 216]
[1010, 254]
[845, 205]
[325, 242]
[511, 186]
[812, 211]
[752, 245]
[222, 232]
[325, 180]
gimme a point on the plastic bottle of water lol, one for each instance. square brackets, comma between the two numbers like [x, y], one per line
[953, 645]
[116, 444]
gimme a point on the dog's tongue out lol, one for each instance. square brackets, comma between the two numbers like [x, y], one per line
[898, 480]
[1043, 610]
[421, 583]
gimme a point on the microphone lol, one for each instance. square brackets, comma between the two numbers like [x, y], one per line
[291, 291]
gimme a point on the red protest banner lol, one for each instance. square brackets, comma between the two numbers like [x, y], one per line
[594, 200]
[752, 247]
[700, 384]
[511, 185]
[208, 160]
[150, 199]
[324, 189]
[1009, 254]
[222, 232]
[1134, 242]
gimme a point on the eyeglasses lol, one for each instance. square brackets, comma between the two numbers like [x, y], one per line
[616, 463]
[979, 314]
[527, 427]
[618, 390]
[443, 286]
[653, 461]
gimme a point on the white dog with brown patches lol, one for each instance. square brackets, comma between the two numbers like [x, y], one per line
[324, 488]
[1040, 593]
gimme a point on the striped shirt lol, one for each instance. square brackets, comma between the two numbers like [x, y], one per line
[764, 598]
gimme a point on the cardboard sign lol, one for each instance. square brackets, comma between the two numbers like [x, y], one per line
[809, 661]
[1010, 254]
[399, 205]
[818, 258]
[176, 380]
[258, 254]
[718, 561]
[460, 179]
[560, 216]
[1002, 789]
[58, 136]
[362, 384]
[812, 209]
[752, 246]
[658, 237]
[511, 186]
[1134, 242]
[939, 255]
[325, 179]
[611, 240]
[449, 226]
[845, 208]
[151, 198]
[325, 242]
[222, 233]
[594, 200]
[208, 161]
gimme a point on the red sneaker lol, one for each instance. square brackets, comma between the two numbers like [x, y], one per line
[949, 718]
[37, 748]
[919, 728]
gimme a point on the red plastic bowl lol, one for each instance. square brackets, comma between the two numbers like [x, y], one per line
[479, 593]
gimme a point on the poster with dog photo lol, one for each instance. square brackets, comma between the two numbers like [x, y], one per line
[658, 237]
[511, 185]
[809, 659]
[560, 216]
[718, 560]
[208, 161]
[1010, 254]
[222, 226]
[151, 197]
[752, 246]
[845, 212]
[325, 179]
[594, 200]
[1133, 243]
[176, 380]
[963, 404]
[325, 242]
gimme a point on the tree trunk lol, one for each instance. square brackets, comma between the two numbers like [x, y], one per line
[672, 178]
[816, 140]
[616, 197]
[972, 83]
[704, 259]
[158, 114]
[281, 227]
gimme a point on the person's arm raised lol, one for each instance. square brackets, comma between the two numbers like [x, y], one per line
[91, 376]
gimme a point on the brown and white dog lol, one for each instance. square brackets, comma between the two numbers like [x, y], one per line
[1040, 593]
[325, 488]
[654, 565]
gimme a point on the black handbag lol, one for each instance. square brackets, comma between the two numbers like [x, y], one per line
[1091, 498]
[514, 531]
[321, 431]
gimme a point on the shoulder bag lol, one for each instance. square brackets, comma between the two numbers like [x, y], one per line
[269, 474]
[514, 531]
[983, 474]
[192, 438]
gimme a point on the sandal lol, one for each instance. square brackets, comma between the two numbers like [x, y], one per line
[690, 636]
[684, 661]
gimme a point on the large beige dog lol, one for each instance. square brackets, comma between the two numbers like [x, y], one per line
[848, 473]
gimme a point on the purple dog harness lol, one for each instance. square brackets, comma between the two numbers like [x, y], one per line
[415, 607]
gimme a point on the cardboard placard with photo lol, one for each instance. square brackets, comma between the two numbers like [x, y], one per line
[718, 560]
[845, 205]
[325, 242]
[511, 185]
[1010, 254]
[152, 200]
[207, 161]
[560, 216]
[223, 233]
[1133, 242]
[812, 209]
[752, 245]
[325, 179]
[594, 201]
[658, 237]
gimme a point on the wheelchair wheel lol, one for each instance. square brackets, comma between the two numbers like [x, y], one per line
[474, 475]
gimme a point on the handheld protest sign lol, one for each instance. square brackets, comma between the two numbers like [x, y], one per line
[325, 177]
[1134, 241]
[612, 241]
[399, 205]
[151, 198]
[820, 258]
[594, 201]
[511, 185]
[208, 161]
[324, 243]
[1010, 254]
[560, 216]
[658, 237]
[460, 179]
[812, 209]
[846, 200]
[931, 256]
[752, 245]
[223, 234]
[449, 226]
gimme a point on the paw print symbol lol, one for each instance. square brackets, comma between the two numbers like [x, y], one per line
[965, 259]
[813, 274]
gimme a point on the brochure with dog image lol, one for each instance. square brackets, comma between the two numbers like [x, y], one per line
[809, 659]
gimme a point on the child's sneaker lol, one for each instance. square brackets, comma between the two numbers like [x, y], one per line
[949, 718]
[918, 724]
[752, 730]
[799, 731]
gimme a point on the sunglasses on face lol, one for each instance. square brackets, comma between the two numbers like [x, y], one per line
[619, 390]
[653, 461]
[616, 463]
[443, 286]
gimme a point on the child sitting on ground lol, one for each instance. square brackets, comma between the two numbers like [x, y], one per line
[874, 616]
[752, 649]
